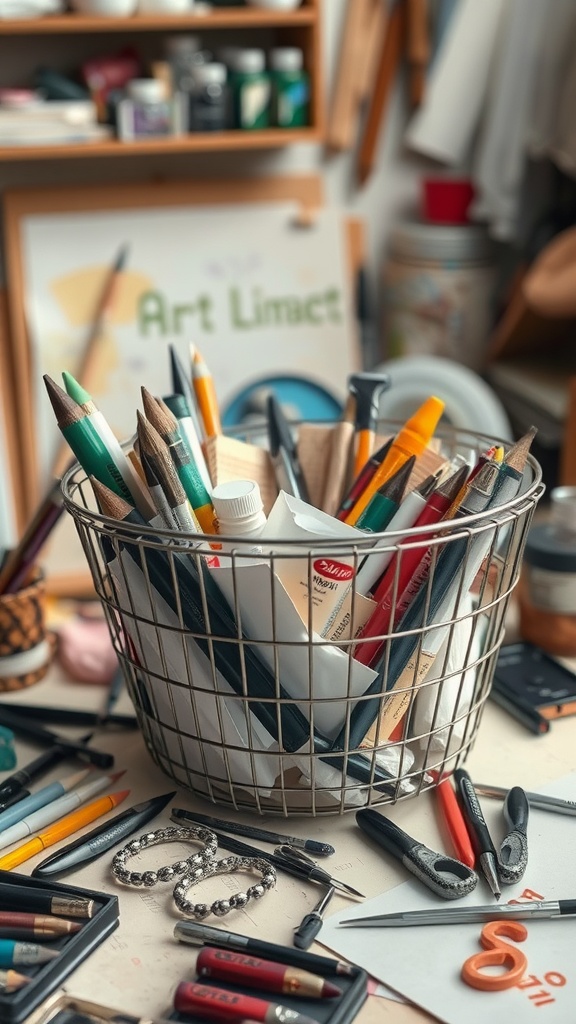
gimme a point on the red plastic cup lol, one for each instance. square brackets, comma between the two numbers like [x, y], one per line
[447, 200]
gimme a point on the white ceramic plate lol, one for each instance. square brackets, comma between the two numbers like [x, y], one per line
[471, 404]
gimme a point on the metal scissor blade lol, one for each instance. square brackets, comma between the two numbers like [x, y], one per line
[315, 873]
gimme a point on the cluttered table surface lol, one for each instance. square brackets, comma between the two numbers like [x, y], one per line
[138, 966]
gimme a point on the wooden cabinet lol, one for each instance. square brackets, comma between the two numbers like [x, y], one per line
[248, 26]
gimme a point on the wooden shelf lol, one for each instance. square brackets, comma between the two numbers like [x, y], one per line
[194, 143]
[224, 17]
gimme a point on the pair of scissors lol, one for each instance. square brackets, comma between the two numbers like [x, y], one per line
[445, 876]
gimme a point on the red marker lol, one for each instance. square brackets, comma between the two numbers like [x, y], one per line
[220, 1004]
[455, 822]
[396, 583]
[268, 975]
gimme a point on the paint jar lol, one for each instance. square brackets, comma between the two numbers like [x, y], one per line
[290, 87]
[146, 112]
[182, 53]
[438, 284]
[239, 509]
[251, 90]
[209, 101]
[547, 589]
[26, 647]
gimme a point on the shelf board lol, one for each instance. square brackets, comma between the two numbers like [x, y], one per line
[224, 17]
[269, 138]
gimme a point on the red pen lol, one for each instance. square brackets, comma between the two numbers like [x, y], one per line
[213, 1003]
[385, 614]
[268, 975]
[455, 822]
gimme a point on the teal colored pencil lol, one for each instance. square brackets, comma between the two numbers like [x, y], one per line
[87, 445]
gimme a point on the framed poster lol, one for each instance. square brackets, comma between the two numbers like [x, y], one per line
[233, 267]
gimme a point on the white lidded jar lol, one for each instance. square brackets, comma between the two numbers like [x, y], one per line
[239, 510]
[438, 287]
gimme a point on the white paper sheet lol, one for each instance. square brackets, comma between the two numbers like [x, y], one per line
[424, 963]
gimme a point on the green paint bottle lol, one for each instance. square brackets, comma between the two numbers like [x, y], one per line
[290, 88]
[251, 90]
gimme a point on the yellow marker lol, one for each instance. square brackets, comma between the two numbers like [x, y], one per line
[411, 439]
[205, 395]
[63, 828]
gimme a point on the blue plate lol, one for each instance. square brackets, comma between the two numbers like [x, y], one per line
[301, 397]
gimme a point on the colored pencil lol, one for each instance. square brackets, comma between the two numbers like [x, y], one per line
[205, 392]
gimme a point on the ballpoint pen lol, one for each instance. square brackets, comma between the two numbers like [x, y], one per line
[74, 716]
[262, 834]
[479, 834]
[531, 911]
[537, 800]
[289, 476]
[311, 923]
[15, 783]
[77, 748]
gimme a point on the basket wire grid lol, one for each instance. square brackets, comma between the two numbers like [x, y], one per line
[247, 704]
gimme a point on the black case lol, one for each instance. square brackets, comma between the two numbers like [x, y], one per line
[15, 1006]
[340, 1010]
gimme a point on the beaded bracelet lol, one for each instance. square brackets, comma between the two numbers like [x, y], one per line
[198, 861]
[225, 866]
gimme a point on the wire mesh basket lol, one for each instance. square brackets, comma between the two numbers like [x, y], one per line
[249, 702]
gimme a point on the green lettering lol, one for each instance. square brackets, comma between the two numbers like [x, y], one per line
[205, 304]
[178, 314]
[311, 316]
[332, 299]
[275, 311]
[236, 319]
[294, 311]
[152, 313]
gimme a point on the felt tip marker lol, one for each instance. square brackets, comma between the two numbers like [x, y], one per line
[268, 975]
[221, 1004]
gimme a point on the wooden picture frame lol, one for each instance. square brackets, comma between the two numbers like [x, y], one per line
[305, 190]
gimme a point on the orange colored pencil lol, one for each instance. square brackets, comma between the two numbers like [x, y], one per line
[63, 828]
[205, 395]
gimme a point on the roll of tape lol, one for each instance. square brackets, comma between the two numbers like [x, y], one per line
[470, 403]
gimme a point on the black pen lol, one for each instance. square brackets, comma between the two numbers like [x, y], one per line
[196, 934]
[479, 834]
[13, 788]
[27, 727]
[289, 476]
[253, 832]
[73, 716]
[88, 847]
